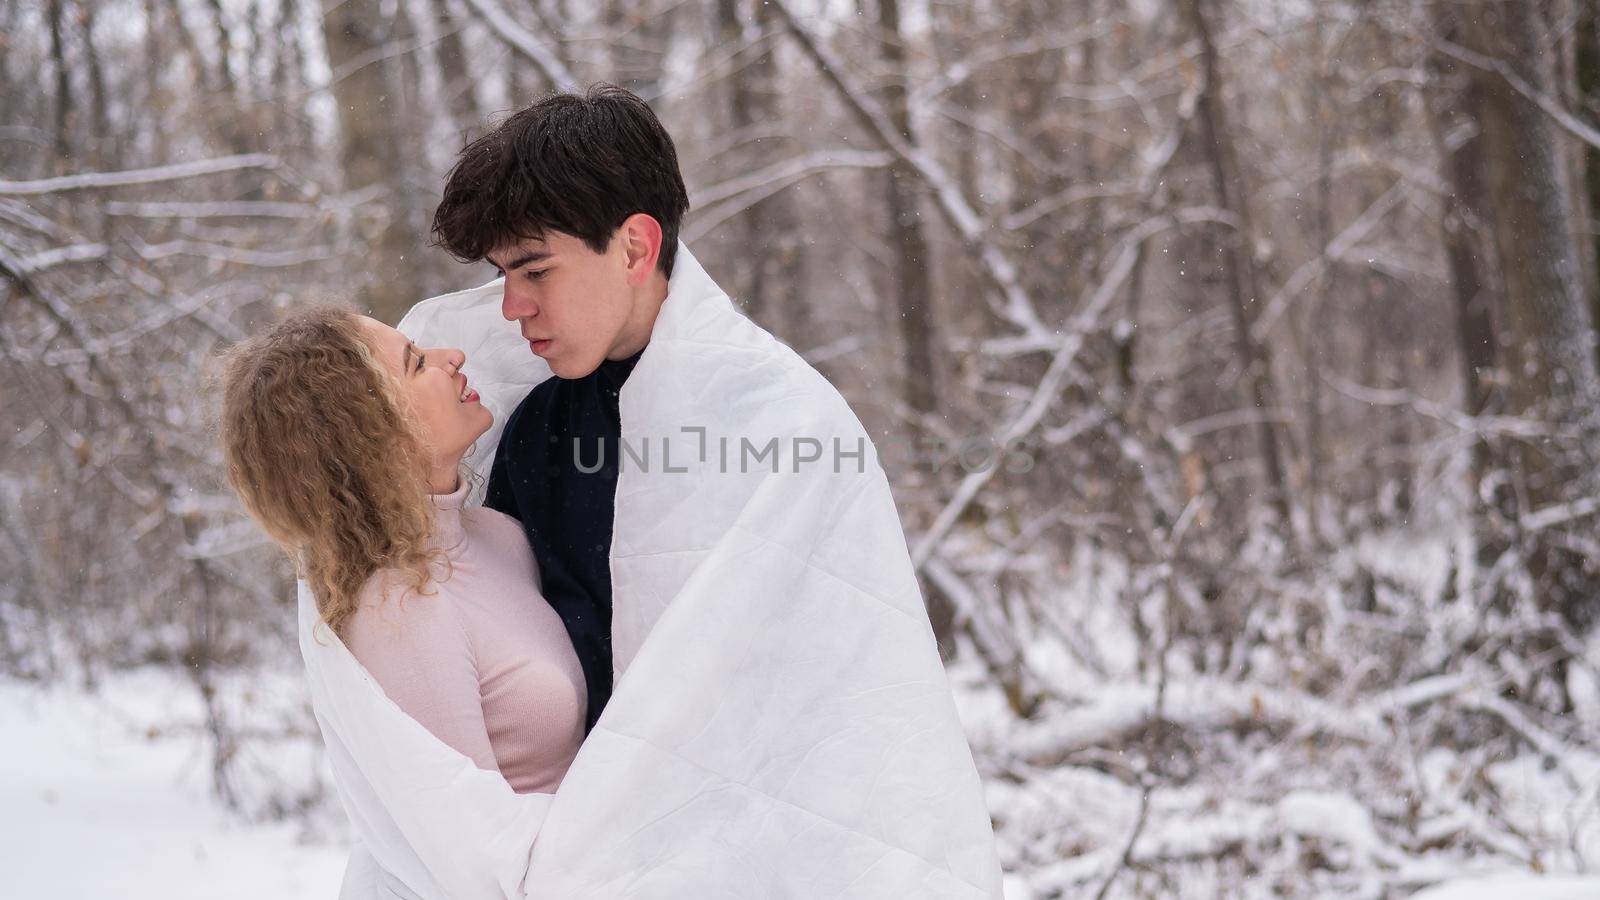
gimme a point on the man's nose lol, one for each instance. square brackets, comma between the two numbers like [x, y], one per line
[514, 306]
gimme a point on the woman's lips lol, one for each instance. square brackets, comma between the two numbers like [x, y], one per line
[472, 396]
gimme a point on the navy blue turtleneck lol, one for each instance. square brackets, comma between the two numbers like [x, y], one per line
[555, 471]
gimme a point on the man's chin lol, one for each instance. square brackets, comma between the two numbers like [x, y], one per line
[566, 368]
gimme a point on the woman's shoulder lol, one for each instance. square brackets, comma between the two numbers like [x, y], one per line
[500, 545]
[391, 598]
[494, 526]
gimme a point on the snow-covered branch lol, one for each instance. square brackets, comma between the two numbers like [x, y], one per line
[1019, 307]
[241, 255]
[35, 263]
[214, 209]
[175, 172]
[718, 203]
[1311, 269]
[524, 42]
[1552, 106]
[1090, 310]
[1118, 712]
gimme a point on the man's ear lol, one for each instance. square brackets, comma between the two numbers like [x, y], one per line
[641, 244]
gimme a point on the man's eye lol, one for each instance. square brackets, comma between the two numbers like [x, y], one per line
[538, 275]
[499, 272]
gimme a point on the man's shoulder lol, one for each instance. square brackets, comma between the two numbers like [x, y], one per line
[761, 386]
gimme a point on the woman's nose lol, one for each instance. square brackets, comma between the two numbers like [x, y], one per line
[450, 359]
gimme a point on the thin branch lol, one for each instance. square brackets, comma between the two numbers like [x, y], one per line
[1054, 379]
[57, 256]
[1019, 307]
[176, 172]
[1508, 426]
[1552, 107]
[525, 43]
[785, 173]
[228, 209]
[240, 255]
[1309, 271]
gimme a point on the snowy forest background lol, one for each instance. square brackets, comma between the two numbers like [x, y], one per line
[1289, 305]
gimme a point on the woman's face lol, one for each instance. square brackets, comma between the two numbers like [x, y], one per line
[445, 406]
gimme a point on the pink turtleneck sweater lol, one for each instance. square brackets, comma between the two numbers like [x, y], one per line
[482, 662]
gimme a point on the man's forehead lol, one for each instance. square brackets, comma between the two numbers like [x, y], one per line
[509, 255]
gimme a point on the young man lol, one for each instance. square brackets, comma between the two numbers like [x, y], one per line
[577, 202]
[710, 521]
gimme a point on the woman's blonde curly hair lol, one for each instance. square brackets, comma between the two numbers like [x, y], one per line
[320, 449]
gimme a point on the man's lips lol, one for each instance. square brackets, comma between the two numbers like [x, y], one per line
[538, 345]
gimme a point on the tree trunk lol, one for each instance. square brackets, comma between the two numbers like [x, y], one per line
[1038, 161]
[369, 114]
[527, 82]
[1547, 340]
[781, 264]
[1238, 259]
[1469, 251]
[913, 283]
[63, 98]
[102, 147]
[288, 71]
[460, 98]
[155, 62]
[1575, 152]
[418, 189]
[636, 45]
[1586, 66]
[953, 40]
[913, 286]
[769, 263]
[1307, 315]
[224, 47]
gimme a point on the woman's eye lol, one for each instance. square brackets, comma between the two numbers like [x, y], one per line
[421, 362]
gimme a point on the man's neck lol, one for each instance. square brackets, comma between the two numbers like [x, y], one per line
[646, 307]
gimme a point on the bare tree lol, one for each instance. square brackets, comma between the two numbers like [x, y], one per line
[1548, 343]
[460, 97]
[1469, 246]
[358, 36]
[1197, 277]
[1239, 265]
[912, 276]
[768, 269]
[63, 91]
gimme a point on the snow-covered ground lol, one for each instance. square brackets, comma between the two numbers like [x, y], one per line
[98, 799]
[108, 795]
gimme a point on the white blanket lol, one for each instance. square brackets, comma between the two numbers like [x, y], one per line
[781, 724]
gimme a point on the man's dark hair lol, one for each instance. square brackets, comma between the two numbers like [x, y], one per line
[574, 164]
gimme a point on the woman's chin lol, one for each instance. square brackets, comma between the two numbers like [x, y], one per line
[487, 421]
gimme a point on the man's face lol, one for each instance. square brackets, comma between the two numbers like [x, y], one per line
[570, 302]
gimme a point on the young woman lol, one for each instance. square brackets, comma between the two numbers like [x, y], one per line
[344, 441]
